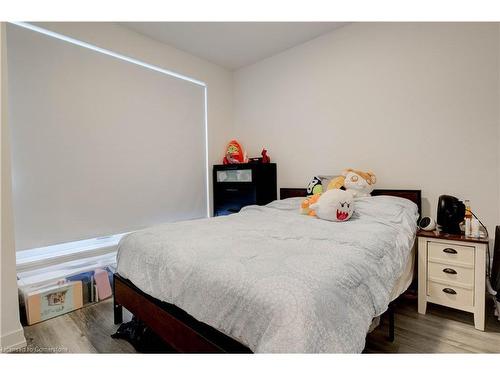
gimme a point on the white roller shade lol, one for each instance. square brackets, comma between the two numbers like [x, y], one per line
[100, 145]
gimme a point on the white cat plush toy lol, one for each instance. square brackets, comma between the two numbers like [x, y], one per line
[334, 205]
[359, 183]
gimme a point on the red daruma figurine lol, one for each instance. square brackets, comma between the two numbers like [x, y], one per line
[234, 153]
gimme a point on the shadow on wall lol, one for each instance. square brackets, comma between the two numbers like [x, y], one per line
[426, 208]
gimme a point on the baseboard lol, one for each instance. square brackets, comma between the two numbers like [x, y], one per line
[12, 341]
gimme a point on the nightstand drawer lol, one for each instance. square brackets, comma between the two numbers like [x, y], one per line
[234, 175]
[450, 253]
[451, 296]
[448, 272]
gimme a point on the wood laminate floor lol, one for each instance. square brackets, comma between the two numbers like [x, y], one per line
[441, 330]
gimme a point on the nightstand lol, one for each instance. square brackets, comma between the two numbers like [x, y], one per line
[239, 185]
[452, 272]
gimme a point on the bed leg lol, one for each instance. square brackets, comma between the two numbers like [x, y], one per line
[390, 312]
[117, 309]
[118, 313]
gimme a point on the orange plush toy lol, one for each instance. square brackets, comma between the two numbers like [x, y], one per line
[306, 204]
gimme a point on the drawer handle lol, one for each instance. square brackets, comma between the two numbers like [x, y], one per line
[449, 291]
[449, 250]
[451, 271]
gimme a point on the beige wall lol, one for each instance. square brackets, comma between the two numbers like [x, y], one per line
[415, 103]
[119, 39]
[11, 332]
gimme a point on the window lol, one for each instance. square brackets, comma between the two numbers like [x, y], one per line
[101, 143]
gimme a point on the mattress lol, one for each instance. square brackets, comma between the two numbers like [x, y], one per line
[275, 280]
[406, 277]
[401, 285]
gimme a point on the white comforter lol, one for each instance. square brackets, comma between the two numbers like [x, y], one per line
[275, 280]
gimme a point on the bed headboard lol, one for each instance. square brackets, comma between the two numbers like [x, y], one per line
[414, 195]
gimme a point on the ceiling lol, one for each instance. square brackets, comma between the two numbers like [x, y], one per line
[232, 44]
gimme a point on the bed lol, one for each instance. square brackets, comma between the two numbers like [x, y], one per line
[269, 279]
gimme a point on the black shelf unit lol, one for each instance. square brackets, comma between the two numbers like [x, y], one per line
[239, 185]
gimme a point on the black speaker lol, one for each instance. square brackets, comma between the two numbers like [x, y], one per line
[450, 213]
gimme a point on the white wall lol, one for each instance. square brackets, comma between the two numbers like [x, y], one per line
[415, 103]
[11, 332]
[120, 39]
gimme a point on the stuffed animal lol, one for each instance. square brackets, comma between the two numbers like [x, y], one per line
[234, 153]
[265, 157]
[315, 186]
[334, 205]
[336, 183]
[306, 204]
[319, 183]
[359, 183]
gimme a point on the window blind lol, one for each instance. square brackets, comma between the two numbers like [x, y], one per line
[100, 145]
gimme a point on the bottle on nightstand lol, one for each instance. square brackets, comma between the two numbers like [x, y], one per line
[468, 219]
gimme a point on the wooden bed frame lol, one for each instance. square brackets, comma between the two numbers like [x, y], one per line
[188, 335]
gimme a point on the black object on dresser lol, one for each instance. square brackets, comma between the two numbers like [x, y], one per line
[239, 185]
